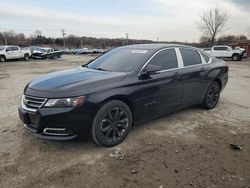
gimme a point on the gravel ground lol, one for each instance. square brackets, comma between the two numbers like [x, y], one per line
[189, 148]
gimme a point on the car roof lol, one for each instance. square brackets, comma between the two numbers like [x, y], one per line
[221, 46]
[5, 46]
[156, 46]
[46, 48]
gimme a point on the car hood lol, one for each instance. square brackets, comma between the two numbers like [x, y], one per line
[75, 79]
[37, 51]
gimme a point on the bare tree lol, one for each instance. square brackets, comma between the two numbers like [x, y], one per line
[213, 22]
[37, 33]
[249, 32]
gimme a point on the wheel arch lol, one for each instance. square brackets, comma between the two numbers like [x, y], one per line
[2, 55]
[219, 81]
[235, 54]
[122, 98]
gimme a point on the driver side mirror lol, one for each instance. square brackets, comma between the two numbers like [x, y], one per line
[7, 50]
[150, 70]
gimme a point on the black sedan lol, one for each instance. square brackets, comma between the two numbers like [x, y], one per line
[126, 85]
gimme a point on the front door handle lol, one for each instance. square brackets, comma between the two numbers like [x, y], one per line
[176, 75]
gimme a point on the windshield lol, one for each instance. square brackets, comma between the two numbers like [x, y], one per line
[2, 48]
[121, 60]
[42, 50]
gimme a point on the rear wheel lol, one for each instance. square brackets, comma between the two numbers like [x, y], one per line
[112, 123]
[2, 59]
[212, 96]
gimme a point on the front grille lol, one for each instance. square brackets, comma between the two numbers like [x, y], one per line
[33, 103]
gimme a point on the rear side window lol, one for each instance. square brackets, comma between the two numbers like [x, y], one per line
[14, 48]
[220, 48]
[166, 59]
[205, 57]
[190, 57]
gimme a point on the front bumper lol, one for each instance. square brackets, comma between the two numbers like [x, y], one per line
[57, 123]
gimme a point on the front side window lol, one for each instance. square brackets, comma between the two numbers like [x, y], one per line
[166, 59]
[190, 57]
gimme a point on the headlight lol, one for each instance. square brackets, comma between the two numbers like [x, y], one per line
[65, 102]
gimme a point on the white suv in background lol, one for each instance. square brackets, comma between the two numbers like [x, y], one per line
[13, 52]
[226, 52]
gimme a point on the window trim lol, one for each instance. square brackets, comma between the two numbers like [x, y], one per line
[202, 60]
[178, 62]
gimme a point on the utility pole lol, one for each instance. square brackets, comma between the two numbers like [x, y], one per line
[81, 43]
[127, 38]
[5, 40]
[63, 33]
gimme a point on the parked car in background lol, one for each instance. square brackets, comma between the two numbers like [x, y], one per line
[125, 85]
[32, 48]
[13, 52]
[67, 51]
[77, 51]
[46, 53]
[226, 52]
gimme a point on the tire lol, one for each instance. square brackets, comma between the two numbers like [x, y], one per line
[112, 123]
[235, 57]
[2, 59]
[26, 57]
[212, 96]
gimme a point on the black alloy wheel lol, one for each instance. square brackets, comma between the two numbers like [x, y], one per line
[212, 96]
[112, 123]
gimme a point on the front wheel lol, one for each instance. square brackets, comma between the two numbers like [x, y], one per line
[212, 96]
[2, 59]
[235, 57]
[26, 57]
[112, 123]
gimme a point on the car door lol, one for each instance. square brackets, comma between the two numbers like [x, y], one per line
[16, 53]
[224, 52]
[220, 51]
[9, 53]
[193, 74]
[162, 92]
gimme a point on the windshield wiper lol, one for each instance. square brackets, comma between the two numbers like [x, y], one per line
[101, 69]
[98, 68]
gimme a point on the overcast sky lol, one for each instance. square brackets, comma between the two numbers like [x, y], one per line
[168, 20]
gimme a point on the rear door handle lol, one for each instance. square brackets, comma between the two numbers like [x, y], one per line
[203, 70]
